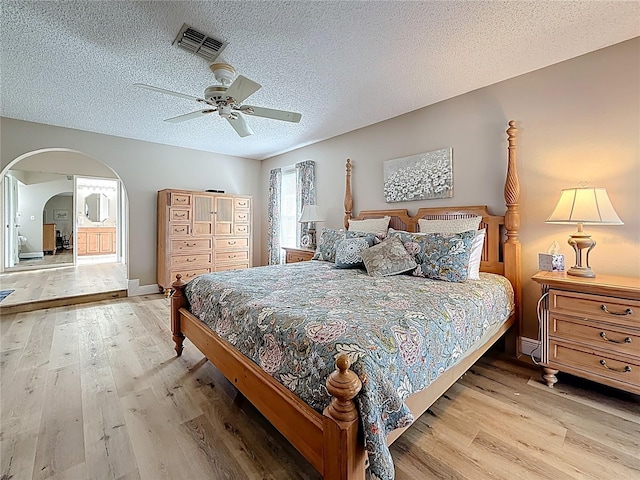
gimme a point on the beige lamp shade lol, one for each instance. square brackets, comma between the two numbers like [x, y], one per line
[587, 205]
[310, 213]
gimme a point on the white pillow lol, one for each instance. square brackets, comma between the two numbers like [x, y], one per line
[453, 225]
[473, 272]
[377, 226]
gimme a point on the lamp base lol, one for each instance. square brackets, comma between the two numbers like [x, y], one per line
[581, 242]
[585, 272]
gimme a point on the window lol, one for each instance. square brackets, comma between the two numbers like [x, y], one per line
[288, 210]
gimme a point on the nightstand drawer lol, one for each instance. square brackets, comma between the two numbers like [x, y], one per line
[599, 335]
[594, 362]
[584, 305]
[295, 257]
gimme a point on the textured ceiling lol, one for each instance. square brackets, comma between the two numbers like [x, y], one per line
[343, 65]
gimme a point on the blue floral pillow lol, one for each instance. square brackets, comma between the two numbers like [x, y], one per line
[442, 256]
[326, 249]
[349, 251]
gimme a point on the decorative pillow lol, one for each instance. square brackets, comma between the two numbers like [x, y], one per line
[476, 254]
[453, 225]
[377, 226]
[387, 258]
[348, 251]
[354, 234]
[442, 256]
[326, 250]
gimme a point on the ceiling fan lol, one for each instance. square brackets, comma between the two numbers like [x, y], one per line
[226, 99]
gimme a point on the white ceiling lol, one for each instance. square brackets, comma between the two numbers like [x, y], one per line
[343, 65]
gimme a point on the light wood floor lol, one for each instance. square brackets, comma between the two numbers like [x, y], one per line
[95, 392]
[34, 286]
[62, 257]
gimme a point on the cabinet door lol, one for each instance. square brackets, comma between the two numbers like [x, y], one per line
[93, 245]
[82, 243]
[224, 215]
[202, 215]
[105, 242]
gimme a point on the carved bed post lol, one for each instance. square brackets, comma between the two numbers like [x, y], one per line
[343, 456]
[348, 198]
[178, 300]
[512, 248]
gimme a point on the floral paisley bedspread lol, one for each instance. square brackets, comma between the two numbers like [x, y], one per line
[402, 332]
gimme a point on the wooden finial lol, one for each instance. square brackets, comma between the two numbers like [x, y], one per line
[348, 198]
[343, 385]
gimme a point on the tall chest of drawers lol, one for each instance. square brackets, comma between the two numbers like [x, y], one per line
[200, 232]
[591, 328]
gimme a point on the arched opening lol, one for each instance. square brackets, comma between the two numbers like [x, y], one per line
[45, 195]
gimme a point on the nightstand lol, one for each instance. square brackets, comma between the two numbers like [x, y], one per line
[590, 327]
[294, 255]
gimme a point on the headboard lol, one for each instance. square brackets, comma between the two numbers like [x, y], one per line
[501, 252]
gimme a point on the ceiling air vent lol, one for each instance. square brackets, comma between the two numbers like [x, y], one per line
[198, 43]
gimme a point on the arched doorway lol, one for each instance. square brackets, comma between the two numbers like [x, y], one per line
[44, 175]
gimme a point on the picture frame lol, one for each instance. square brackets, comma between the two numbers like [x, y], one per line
[61, 215]
[423, 176]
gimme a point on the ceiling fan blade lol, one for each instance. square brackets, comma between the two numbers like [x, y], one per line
[242, 88]
[189, 116]
[240, 126]
[169, 92]
[271, 113]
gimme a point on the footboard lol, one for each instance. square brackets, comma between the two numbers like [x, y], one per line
[328, 441]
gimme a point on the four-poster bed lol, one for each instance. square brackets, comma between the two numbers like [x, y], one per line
[330, 440]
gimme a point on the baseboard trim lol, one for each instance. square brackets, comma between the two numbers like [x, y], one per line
[27, 255]
[529, 346]
[135, 289]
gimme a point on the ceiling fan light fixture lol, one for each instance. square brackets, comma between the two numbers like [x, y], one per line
[223, 72]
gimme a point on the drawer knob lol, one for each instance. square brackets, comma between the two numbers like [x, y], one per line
[604, 335]
[626, 368]
[604, 308]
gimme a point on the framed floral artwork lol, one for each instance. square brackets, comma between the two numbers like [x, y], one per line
[419, 177]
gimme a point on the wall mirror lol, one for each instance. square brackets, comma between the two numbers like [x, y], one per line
[96, 207]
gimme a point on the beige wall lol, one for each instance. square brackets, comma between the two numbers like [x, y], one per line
[578, 121]
[144, 168]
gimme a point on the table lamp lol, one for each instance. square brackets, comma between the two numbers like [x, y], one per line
[584, 205]
[310, 214]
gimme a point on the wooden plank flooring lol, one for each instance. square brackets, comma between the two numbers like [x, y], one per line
[95, 391]
[52, 287]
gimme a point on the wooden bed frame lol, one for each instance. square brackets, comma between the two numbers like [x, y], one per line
[330, 441]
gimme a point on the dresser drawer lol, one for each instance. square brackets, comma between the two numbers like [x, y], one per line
[196, 260]
[242, 216]
[183, 199]
[179, 215]
[179, 230]
[584, 305]
[241, 229]
[190, 245]
[594, 362]
[189, 274]
[600, 335]
[226, 244]
[231, 266]
[229, 257]
[242, 203]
